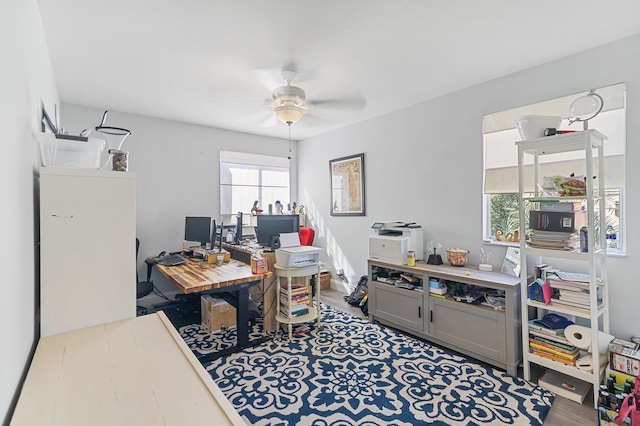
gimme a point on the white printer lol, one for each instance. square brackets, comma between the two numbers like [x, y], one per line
[292, 255]
[392, 240]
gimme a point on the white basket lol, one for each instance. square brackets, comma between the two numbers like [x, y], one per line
[532, 126]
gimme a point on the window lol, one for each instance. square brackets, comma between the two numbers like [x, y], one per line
[501, 217]
[246, 178]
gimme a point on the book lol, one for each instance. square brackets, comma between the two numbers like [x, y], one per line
[542, 329]
[565, 386]
[558, 338]
[571, 356]
[553, 357]
[557, 345]
[555, 220]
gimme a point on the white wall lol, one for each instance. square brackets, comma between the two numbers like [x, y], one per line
[424, 164]
[26, 81]
[177, 168]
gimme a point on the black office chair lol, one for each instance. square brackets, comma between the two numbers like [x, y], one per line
[143, 288]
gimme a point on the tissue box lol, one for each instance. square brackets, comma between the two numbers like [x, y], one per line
[216, 314]
[259, 266]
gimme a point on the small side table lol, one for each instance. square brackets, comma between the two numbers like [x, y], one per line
[314, 302]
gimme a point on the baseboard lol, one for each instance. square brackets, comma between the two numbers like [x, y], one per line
[341, 286]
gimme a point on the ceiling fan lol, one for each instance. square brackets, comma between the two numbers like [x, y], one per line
[289, 102]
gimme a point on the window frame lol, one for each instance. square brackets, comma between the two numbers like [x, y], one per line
[501, 124]
[255, 162]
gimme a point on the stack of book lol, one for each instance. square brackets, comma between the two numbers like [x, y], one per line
[556, 228]
[299, 300]
[551, 344]
[571, 293]
[554, 240]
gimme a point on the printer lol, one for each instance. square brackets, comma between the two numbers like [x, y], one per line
[392, 240]
[292, 255]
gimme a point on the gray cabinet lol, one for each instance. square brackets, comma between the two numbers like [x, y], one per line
[479, 331]
[397, 305]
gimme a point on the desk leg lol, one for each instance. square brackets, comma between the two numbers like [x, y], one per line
[242, 317]
[242, 327]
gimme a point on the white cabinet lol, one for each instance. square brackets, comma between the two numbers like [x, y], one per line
[87, 248]
[584, 151]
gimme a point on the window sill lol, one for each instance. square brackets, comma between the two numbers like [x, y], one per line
[616, 254]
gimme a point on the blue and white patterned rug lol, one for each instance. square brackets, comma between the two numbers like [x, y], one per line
[353, 372]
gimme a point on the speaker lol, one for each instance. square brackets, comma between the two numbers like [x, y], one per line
[275, 242]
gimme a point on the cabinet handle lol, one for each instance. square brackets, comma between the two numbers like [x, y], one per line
[430, 316]
[419, 311]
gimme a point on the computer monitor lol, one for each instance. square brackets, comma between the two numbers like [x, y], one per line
[269, 228]
[197, 229]
[238, 236]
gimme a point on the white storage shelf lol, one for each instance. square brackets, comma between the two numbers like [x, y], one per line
[590, 142]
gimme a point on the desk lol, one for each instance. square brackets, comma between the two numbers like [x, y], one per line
[136, 371]
[232, 279]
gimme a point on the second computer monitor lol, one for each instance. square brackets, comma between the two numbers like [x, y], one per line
[271, 226]
[197, 229]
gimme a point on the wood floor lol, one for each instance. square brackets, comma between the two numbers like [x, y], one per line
[563, 412]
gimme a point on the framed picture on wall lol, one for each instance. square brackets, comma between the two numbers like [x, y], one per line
[347, 185]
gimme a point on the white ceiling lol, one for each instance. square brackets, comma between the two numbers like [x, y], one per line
[215, 62]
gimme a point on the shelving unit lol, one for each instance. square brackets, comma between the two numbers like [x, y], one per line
[305, 273]
[588, 145]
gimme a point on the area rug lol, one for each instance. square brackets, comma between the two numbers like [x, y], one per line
[354, 372]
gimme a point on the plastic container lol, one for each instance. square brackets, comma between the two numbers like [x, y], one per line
[61, 152]
[457, 257]
[532, 126]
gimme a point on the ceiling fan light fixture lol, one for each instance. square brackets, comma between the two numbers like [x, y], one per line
[289, 113]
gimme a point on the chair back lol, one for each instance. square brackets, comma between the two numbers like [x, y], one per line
[306, 236]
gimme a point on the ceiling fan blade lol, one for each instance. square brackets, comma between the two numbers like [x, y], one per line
[343, 101]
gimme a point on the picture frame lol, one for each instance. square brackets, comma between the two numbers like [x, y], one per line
[347, 186]
[511, 264]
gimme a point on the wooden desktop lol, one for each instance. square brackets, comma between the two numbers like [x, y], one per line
[130, 372]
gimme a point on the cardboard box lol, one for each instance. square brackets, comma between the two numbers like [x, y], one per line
[325, 280]
[212, 257]
[557, 221]
[216, 314]
[259, 266]
[624, 357]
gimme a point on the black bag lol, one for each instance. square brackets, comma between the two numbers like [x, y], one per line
[359, 292]
[364, 305]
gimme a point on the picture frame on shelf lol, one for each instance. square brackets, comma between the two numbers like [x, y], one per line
[347, 186]
[511, 263]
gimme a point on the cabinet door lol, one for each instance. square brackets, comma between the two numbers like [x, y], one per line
[400, 306]
[468, 326]
[88, 258]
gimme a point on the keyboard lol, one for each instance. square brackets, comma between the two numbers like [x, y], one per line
[172, 260]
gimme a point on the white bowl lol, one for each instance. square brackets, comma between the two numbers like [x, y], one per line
[532, 126]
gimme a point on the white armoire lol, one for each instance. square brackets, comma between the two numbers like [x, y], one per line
[87, 248]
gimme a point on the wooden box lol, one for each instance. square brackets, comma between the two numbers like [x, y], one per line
[325, 280]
